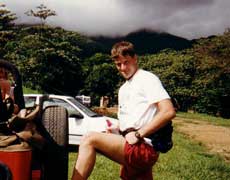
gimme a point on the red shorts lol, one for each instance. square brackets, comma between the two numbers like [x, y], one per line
[139, 159]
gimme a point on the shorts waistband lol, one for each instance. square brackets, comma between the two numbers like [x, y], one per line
[123, 133]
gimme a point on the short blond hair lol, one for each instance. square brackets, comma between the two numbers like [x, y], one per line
[123, 48]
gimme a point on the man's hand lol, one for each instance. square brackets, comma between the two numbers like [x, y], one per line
[131, 138]
[112, 128]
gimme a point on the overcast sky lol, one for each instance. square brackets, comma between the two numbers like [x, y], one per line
[186, 18]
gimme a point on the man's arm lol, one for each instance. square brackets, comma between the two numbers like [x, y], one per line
[165, 113]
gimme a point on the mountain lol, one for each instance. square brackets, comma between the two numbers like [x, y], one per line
[146, 41]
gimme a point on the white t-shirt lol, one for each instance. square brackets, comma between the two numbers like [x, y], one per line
[136, 99]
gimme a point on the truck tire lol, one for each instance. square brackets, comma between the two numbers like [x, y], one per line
[5, 173]
[55, 121]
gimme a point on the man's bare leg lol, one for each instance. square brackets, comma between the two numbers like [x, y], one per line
[110, 145]
[85, 162]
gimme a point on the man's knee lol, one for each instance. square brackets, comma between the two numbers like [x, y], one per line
[88, 139]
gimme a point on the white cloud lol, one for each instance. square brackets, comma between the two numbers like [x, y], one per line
[186, 18]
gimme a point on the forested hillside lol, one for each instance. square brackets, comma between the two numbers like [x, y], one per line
[53, 60]
[146, 41]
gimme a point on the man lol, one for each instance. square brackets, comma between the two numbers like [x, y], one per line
[144, 107]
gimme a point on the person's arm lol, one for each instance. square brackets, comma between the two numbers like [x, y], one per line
[165, 113]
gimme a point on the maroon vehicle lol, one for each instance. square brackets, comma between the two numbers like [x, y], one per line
[31, 158]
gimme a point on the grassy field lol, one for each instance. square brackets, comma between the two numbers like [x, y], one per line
[204, 117]
[30, 91]
[186, 161]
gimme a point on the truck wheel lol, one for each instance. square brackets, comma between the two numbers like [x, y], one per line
[5, 173]
[55, 121]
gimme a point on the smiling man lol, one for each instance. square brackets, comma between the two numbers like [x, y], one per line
[144, 108]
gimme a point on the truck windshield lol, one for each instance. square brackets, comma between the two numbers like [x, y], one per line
[85, 109]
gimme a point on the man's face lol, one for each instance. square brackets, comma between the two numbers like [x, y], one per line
[126, 65]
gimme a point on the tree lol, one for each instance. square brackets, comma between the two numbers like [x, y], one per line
[42, 13]
[50, 64]
[6, 24]
[6, 18]
[101, 77]
[212, 82]
[102, 81]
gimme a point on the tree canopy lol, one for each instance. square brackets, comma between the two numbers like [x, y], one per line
[41, 12]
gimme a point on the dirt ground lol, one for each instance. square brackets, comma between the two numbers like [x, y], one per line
[215, 138]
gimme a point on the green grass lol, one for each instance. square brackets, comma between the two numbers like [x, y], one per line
[104, 168]
[189, 160]
[204, 117]
[186, 161]
[29, 91]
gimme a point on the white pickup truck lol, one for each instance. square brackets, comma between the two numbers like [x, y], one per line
[81, 119]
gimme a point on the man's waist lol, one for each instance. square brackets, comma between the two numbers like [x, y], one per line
[123, 133]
